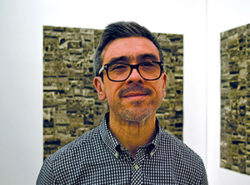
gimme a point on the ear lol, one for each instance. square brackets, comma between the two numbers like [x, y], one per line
[99, 88]
[164, 84]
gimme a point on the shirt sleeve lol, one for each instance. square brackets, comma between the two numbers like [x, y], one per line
[46, 176]
[204, 180]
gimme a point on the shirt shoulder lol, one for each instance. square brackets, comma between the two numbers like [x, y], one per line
[64, 164]
[81, 144]
[176, 146]
[186, 165]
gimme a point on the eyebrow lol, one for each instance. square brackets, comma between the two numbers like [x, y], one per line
[116, 59]
[126, 59]
[148, 55]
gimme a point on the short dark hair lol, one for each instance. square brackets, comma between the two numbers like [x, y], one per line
[122, 30]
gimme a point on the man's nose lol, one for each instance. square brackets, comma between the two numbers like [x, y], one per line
[135, 76]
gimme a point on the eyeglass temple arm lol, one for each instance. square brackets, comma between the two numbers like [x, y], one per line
[101, 70]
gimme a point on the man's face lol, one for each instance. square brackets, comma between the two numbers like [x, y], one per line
[134, 99]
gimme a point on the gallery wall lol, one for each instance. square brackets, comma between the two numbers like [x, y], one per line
[21, 137]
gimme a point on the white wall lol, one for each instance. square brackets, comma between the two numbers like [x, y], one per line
[223, 15]
[21, 71]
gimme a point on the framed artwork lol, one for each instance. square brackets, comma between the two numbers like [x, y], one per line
[235, 105]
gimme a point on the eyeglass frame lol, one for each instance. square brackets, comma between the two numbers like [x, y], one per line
[136, 66]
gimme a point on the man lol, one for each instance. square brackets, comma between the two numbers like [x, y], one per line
[129, 146]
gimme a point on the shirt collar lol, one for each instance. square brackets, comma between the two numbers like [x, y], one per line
[114, 146]
[107, 136]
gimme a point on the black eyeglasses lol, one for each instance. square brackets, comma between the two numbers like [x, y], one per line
[119, 72]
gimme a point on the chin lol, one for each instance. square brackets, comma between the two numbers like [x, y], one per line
[136, 115]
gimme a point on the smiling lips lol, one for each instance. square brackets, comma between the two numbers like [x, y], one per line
[134, 92]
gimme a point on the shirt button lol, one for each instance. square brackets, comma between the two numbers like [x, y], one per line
[151, 154]
[136, 167]
[116, 155]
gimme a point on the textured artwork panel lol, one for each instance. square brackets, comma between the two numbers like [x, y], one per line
[70, 103]
[235, 107]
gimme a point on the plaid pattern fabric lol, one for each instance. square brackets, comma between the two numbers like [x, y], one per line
[97, 157]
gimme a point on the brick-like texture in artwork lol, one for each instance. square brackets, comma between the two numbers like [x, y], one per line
[70, 103]
[235, 107]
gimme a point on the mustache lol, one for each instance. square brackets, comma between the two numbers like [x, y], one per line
[134, 88]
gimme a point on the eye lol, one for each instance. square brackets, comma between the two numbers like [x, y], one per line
[147, 64]
[117, 67]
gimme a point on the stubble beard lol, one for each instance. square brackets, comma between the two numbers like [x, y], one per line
[136, 114]
[138, 111]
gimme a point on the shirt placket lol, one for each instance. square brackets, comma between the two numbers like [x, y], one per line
[136, 168]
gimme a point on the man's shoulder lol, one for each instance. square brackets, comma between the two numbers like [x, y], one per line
[83, 145]
[186, 165]
[69, 161]
[179, 151]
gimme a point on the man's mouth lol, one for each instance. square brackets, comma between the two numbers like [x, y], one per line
[135, 92]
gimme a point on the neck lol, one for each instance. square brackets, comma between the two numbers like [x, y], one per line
[133, 134]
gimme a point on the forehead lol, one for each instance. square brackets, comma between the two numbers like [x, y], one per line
[130, 47]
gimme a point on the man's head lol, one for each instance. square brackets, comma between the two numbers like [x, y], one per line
[132, 78]
[122, 30]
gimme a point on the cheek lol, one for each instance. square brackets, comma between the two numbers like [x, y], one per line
[159, 93]
[111, 93]
[160, 89]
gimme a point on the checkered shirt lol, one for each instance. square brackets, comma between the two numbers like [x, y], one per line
[97, 157]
